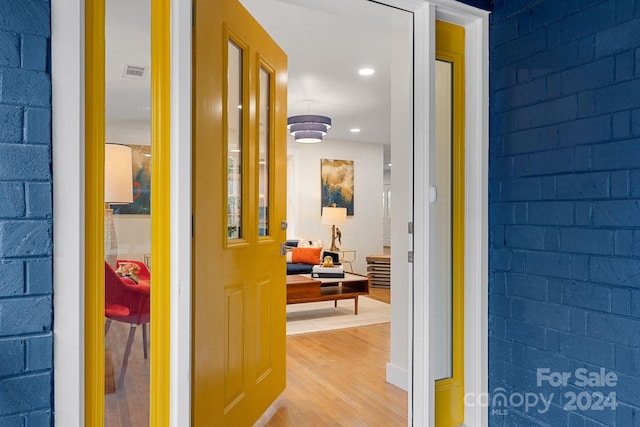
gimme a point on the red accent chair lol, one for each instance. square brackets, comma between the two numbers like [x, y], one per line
[128, 302]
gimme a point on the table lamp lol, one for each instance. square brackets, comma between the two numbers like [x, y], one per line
[333, 216]
[118, 189]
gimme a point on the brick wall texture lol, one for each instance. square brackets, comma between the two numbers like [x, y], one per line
[26, 340]
[564, 212]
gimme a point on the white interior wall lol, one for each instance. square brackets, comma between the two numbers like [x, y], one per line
[363, 231]
[133, 233]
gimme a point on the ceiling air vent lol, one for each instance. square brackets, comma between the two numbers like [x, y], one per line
[134, 71]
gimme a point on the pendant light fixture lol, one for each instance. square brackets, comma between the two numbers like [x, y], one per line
[308, 128]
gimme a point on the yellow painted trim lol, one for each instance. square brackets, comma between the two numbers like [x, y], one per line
[160, 212]
[450, 391]
[94, 213]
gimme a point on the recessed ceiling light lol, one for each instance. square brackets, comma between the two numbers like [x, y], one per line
[366, 71]
[389, 165]
[355, 130]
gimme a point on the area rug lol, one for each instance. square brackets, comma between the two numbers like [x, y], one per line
[322, 316]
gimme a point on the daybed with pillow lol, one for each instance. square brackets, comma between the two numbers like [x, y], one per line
[302, 257]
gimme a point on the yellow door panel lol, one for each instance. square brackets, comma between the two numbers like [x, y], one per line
[239, 182]
[450, 391]
[264, 327]
[234, 358]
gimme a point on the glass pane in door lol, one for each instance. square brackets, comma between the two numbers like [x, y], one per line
[234, 141]
[264, 114]
[443, 264]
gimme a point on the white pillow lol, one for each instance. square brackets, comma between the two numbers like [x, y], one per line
[304, 243]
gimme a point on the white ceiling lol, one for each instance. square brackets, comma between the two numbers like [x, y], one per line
[327, 42]
[128, 100]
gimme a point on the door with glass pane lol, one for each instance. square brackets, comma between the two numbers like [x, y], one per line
[239, 182]
[448, 260]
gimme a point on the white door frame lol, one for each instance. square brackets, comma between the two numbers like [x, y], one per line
[476, 26]
[67, 45]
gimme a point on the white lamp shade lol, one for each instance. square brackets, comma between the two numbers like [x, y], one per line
[118, 174]
[334, 216]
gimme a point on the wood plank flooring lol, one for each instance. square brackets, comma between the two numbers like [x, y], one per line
[334, 378]
[129, 406]
[337, 378]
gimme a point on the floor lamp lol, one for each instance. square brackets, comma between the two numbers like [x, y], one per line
[118, 189]
[334, 216]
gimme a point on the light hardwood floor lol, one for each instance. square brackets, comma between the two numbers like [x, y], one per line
[337, 378]
[129, 406]
[334, 378]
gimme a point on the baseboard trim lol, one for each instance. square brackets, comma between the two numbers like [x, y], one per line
[399, 377]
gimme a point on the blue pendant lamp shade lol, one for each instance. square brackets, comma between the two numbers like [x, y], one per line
[308, 129]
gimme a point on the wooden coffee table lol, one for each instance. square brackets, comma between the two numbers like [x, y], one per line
[302, 288]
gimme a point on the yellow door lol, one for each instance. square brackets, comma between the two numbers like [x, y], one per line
[449, 211]
[239, 182]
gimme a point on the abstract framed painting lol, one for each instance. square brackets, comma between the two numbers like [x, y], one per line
[337, 184]
[141, 165]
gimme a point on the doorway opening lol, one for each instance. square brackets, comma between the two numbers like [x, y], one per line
[69, 222]
[372, 122]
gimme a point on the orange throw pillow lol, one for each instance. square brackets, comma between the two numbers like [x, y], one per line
[306, 255]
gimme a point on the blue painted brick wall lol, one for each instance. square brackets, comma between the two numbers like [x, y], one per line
[482, 4]
[564, 212]
[26, 280]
